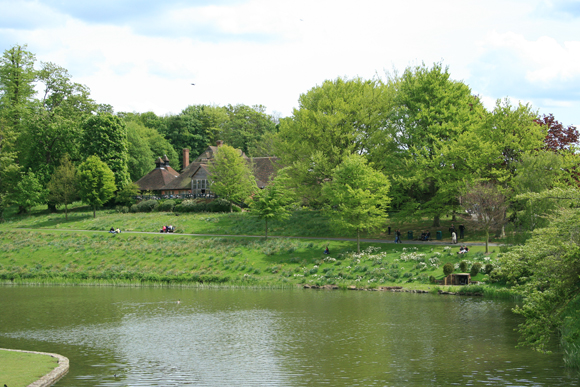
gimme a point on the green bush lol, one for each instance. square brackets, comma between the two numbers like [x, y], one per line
[448, 269]
[191, 206]
[432, 279]
[145, 206]
[166, 206]
[463, 266]
[122, 209]
[219, 205]
[488, 268]
[475, 269]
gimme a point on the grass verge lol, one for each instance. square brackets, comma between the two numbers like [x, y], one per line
[22, 369]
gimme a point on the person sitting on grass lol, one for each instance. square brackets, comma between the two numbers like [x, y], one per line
[117, 231]
[112, 230]
[326, 251]
[463, 250]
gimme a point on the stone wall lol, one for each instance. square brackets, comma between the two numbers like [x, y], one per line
[53, 376]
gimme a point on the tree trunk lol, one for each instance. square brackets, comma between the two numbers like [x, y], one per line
[486, 241]
[437, 221]
[454, 216]
[52, 208]
[357, 241]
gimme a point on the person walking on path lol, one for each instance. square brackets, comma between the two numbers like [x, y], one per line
[461, 231]
[453, 237]
[398, 236]
[452, 229]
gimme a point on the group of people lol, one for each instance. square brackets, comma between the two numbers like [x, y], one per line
[454, 234]
[114, 230]
[426, 235]
[463, 250]
[167, 229]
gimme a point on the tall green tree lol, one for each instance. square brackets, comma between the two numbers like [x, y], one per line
[245, 126]
[430, 127]
[274, 201]
[358, 196]
[231, 175]
[62, 185]
[17, 77]
[186, 130]
[8, 167]
[333, 121]
[105, 136]
[95, 182]
[140, 157]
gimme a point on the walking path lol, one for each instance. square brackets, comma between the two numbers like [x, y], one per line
[406, 242]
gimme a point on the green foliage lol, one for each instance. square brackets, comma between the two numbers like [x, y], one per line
[475, 269]
[245, 127]
[545, 271]
[62, 186]
[96, 182]
[28, 192]
[463, 266]
[126, 196]
[145, 206]
[105, 136]
[448, 269]
[333, 121]
[357, 196]
[273, 201]
[186, 130]
[166, 206]
[220, 205]
[192, 206]
[140, 156]
[231, 176]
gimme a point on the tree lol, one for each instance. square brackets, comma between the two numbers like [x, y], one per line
[245, 126]
[8, 166]
[357, 196]
[545, 271]
[333, 121]
[431, 152]
[126, 196]
[231, 177]
[274, 201]
[28, 192]
[17, 76]
[105, 136]
[487, 207]
[186, 130]
[96, 182]
[558, 137]
[140, 157]
[62, 185]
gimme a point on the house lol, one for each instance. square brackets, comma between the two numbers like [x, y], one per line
[195, 176]
[457, 279]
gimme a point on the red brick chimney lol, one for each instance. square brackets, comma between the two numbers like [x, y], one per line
[220, 143]
[185, 157]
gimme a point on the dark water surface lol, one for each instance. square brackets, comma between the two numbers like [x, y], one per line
[273, 338]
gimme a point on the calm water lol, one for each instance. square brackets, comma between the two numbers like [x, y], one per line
[273, 338]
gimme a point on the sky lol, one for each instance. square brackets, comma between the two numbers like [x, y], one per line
[144, 55]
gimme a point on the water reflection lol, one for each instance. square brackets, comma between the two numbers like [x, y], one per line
[142, 337]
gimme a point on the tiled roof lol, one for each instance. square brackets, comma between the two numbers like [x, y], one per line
[157, 178]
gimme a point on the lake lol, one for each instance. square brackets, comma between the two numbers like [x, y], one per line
[118, 336]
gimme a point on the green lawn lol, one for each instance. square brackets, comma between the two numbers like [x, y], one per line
[19, 369]
[98, 257]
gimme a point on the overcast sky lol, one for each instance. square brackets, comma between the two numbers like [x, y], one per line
[144, 55]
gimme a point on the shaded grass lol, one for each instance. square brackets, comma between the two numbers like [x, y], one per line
[22, 369]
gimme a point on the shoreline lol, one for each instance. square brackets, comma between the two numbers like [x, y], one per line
[53, 376]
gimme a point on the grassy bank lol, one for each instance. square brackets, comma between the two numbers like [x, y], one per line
[70, 257]
[22, 369]
[304, 222]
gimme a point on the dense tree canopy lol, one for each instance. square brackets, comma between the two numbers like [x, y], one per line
[333, 121]
[95, 182]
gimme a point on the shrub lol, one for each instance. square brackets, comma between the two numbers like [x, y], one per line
[166, 206]
[144, 206]
[463, 266]
[122, 209]
[488, 268]
[432, 279]
[191, 206]
[219, 205]
[475, 269]
[448, 269]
